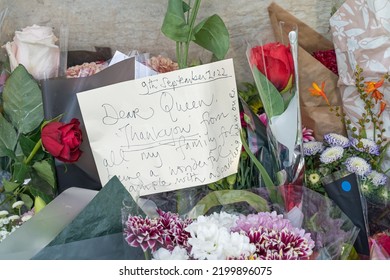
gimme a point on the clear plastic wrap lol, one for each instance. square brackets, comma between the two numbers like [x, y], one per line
[274, 67]
[331, 230]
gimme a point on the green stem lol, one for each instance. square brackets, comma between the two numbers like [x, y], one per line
[194, 13]
[37, 146]
[267, 179]
[147, 255]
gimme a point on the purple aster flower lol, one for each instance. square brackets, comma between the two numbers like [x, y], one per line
[334, 139]
[312, 148]
[358, 165]
[332, 154]
[378, 179]
[366, 145]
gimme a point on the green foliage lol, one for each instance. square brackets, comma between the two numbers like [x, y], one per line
[226, 197]
[22, 101]
[272, 100]
[179, 26]
[249, 93]
[32, 170]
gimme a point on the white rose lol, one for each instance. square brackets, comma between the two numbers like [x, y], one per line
[34, 47]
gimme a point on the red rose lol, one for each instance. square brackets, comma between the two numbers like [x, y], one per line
[274, 60]
[384, 240]
[63, 140]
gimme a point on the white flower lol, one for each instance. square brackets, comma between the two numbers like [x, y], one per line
[4, 221]
[238, 245]
[211, 238]
[13, 218]
[3, 213]
[35, 48]
[17, 204]
[223, 219]
[177, 253]
[358, 165]
[25, 218]
[331, 154]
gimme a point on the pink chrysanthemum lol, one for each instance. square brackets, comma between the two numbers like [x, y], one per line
[285, 244]
[173, 229]
[307, 134]
[143, 232]
[261, 219]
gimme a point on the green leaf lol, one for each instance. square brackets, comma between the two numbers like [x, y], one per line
[45, 170]
[21, 171]
[224, 197]
[175, 26]
[186, 7]
[46, 197]
[10, 186]
[26, 144]
[22, 100]
[272, 100]
[27, 200]
[8, 137]
[213, 35]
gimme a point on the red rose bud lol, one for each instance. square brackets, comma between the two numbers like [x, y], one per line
[274, 60]
[63, 140]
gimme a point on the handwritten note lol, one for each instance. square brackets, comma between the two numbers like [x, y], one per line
[166, 132]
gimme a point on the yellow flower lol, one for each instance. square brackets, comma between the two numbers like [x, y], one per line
[314, 178]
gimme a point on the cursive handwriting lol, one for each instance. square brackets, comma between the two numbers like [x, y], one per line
[112, 115]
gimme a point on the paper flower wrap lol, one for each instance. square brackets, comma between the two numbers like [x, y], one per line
[360, 31]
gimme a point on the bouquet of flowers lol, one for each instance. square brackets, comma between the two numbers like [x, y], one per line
[29, 143]
[358, 154]
[274, 68]
[253, 227]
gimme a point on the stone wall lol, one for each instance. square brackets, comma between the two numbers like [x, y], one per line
[135, 24]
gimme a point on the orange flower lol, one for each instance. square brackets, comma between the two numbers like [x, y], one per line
[372, 87]
[317, 91]
[382, 108]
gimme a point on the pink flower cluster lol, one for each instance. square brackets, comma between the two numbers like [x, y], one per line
[269, 236]
[274, 237]
[166, 231]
